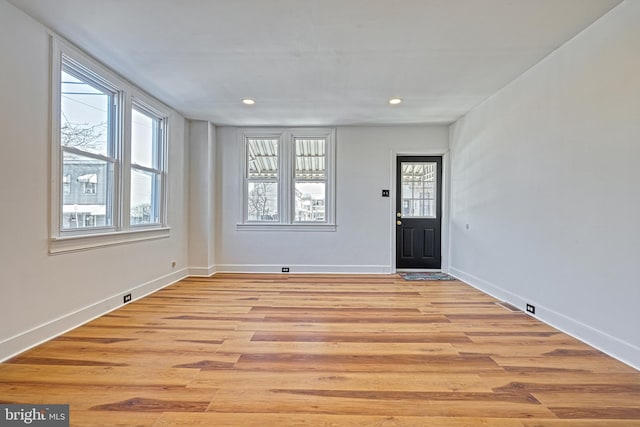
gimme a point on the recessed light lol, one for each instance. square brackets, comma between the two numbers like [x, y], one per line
[248, 101]
[395, 101]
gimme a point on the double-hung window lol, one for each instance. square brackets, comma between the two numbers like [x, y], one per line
[310, 179]
[147, 137]
[88, 148]
[108, 156]
[263, 177]
[289, 179]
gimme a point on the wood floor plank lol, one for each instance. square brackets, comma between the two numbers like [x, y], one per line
[323, 420]
[390, 381]
[380, 403]
[603, 422]
[366, 363]
[355, 337]
[601, 364]
[551, 381]
[521, 349]
[91, 397]
[89, 375]
[337, 348]
[82, 418]
[604, 396]
[133, 359]
[323, 350]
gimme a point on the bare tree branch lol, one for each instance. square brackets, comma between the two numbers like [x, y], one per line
[81, 135]
[259, 201]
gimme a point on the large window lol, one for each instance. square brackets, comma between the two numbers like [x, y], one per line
[263, 172]
[289, 179]
[147, 130]
[108, 156]
[88, 148]
[310, 179]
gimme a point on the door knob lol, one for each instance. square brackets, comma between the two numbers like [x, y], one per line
[398, 222]
[398, 214]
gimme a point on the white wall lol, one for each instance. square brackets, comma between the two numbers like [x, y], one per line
[202, 151]
[546, 174]
[363, 242]
[42, 295]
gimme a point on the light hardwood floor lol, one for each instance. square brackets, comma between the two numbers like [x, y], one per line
[323, 350]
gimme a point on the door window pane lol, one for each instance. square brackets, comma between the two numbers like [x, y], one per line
[87, 202]
[262, 202]
[419, 189]
[84, 115]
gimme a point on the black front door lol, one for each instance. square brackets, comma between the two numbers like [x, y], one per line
[419, 212]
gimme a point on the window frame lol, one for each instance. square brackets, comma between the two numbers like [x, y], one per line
[249, 180]
[87, 73]
[143, 105]
[286, 178]
[324, 180]
[125, 95]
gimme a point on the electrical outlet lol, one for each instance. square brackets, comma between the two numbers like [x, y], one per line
[173, 264]
[531, 309]
[127, 298]
[285, 269]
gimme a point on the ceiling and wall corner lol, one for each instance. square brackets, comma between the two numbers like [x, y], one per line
[319, 62]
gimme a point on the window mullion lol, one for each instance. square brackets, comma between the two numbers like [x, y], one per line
[163, 152]
[330, 178]
[124, 150]
[286, 178]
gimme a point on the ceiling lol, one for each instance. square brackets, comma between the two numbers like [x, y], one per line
[319, 62]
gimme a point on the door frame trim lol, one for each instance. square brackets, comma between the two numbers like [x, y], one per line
[446, 185]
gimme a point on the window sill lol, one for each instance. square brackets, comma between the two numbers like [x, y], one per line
[62, 244]
[286, 227]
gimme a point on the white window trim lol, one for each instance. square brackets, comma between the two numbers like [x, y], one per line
[147, 105]
[265, 134]
[120, 232]
[88, 241]
[286, 192]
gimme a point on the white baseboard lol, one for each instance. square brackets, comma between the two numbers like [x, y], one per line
[614, 347]
[304, 269]
[621, 350]
[19, 343]
[202, 271]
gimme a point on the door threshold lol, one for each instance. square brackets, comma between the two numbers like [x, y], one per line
[419, 270]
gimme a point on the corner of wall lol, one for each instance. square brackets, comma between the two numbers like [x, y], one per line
[24, 341]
